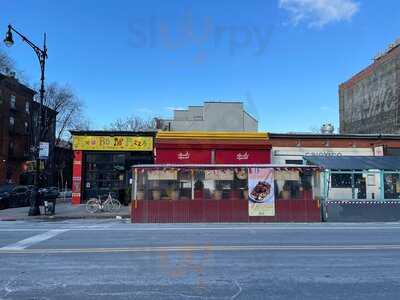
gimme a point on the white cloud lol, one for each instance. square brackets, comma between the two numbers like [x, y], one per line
[172, 108]
[317, 13]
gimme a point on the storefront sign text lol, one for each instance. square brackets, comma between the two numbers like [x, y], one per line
[242, 156]
[324, 153]
[113, 143]
[183, 156]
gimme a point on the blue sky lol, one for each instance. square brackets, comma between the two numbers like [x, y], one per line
[284, 59]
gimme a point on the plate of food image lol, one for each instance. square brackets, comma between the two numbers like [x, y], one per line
[260, 192]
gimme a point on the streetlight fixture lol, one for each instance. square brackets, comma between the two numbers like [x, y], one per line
[9, 38]
[42, 56]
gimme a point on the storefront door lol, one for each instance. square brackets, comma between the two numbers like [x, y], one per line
[104, 173]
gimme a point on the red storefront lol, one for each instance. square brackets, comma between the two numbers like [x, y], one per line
[222, 193]
[206, 177]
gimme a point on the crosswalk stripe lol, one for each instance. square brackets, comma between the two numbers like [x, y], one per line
[23, 244]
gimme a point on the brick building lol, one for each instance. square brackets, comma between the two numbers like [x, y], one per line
[369, 101]
[15, 126]
[18, 116]
[291, 148]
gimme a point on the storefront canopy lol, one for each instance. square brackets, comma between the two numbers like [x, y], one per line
[390, 163]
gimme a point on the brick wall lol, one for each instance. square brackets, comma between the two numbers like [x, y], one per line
[12, 164]
[370, 101]
[342, 143]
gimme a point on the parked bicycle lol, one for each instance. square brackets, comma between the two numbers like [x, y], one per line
[108, 205]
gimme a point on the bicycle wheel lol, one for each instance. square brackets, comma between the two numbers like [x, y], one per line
[108, 206]
[92, 205]
[115, 204]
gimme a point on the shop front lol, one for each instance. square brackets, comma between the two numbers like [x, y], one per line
[186, 193]
[360, 188]
[103, 159]
[212, 148]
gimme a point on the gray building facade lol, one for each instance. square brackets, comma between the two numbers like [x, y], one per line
[212, 116]
[369, 101]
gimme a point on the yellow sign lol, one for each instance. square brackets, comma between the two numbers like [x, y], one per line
[113, 143]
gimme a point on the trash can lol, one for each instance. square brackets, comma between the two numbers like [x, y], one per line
[48, 200]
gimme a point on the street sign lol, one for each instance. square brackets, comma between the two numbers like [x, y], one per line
[44, 150]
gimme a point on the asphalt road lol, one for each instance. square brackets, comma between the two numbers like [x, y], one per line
[107, 259]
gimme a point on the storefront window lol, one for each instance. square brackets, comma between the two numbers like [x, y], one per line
[219, 184]
[341, 181]
[104, 173]
[360, 186]
[240, 183]
[354, 185]
[163, 184]
[287, 184]
[185, 184]
[199, 185]
[391, 185]
[140, 184]
[293, 184]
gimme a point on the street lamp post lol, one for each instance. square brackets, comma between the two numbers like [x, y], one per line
[42, 55]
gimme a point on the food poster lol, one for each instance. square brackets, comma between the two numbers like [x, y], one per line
[261, 192]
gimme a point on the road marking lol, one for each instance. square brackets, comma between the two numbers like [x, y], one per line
[23, 244]
[205, 248]
[133, 228]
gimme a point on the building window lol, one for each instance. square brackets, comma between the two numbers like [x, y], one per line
[341, 181]
[27, 106]
[391, 185]
[13, 101]
[294, 161]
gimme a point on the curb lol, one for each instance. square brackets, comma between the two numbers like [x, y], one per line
[59, 218]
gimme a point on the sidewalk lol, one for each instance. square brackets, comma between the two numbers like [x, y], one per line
[64, 210]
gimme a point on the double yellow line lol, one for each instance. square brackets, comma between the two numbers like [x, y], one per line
[207, 248]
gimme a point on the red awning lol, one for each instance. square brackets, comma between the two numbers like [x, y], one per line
[242, 156]
[183, 156]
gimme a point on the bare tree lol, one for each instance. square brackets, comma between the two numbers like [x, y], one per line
[315, 129]
[132, 123]
[69, 109]
[67, 115]
[6, 63]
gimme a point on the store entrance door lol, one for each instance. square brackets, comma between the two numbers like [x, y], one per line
[104, 173]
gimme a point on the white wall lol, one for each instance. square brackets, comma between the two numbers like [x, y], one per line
[250, 124]
[223, 116]
[281, 154]
[214, 116]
